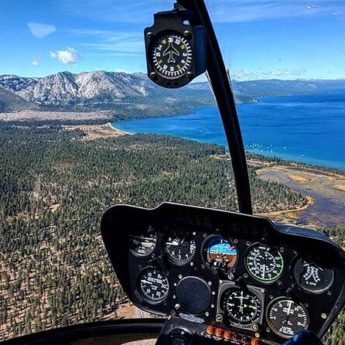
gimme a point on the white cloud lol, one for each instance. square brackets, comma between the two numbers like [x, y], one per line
[272, 74]
[226, 11]
[118, 43]
[36, 62]
[40, 30]
[67, 56]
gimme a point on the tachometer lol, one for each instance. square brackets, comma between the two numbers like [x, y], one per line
[153, 284]
[180, 248]
[311, 277]
[264, 263]
[143, 244]
[241, 306]
[220, 253]
[286, 318]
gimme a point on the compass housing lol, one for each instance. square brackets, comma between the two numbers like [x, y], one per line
[175, 50]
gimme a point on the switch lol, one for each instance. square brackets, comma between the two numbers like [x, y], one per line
[210, 330]
[218, 332]
[254, 341]
[227, 335]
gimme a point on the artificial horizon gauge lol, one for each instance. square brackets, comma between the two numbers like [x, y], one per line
[153, 284]
[286, 318]
[171, 55]
[180, 248]
[312, 278]
[143, 244]
[220, 253]
[264, 263]
[241, 306]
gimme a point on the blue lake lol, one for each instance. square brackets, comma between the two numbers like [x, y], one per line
[308, 129]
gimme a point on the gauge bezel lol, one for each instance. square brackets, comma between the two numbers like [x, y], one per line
[315, 292]
[258, 292]
[174, 261]
[139, 255]
[139, 288]
[204, 258]
[268, 282]
[269, 322]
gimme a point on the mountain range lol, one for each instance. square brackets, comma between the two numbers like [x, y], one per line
[95, 91]
[135, 94]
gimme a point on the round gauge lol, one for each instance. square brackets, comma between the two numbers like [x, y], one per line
[220, 253]
[264, 263]
[172, 55]
[153, 284]
[180, 248]
[286, 318]
[311, 277]
[241, 307]
[143, 244]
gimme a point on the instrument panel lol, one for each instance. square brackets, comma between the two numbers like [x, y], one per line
[241, 276]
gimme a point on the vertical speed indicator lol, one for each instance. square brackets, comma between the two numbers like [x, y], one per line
[172, 55]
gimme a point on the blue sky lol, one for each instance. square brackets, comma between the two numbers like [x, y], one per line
[260, 39]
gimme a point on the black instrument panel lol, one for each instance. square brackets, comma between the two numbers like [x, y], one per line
[239, 275]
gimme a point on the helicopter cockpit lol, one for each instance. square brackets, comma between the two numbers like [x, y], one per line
[212, 276]
[218, 276]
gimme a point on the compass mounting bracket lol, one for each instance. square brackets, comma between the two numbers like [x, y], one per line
[175, 49]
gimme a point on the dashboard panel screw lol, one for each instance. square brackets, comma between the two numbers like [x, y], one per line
[207, 313]
[192, 263]
[268, 330]
[248, 243]
[194, 233]
[219, 318]
[177, 306]
[149, 34]
[281, 249]
[245, 275]
[153, 75]
[213, 293]
[235, 240]
[255, 327]
[209, 283]
[180, 276]
[324, 316]
[186, 33]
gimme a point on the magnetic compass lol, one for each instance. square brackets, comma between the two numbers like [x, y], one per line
[172, 55]
[175, 50]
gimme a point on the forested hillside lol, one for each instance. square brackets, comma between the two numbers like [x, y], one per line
[54, 187]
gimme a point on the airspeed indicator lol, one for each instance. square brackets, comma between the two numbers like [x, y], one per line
[264, 263]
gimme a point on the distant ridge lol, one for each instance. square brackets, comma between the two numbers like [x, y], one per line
[117, 91]
[96, 90]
